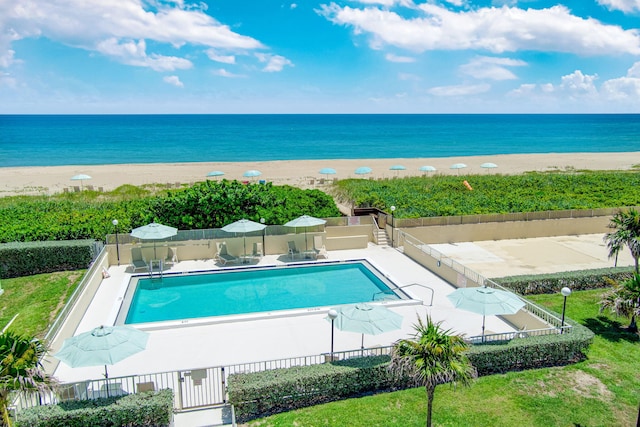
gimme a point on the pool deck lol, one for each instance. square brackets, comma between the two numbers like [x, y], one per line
[244, 339]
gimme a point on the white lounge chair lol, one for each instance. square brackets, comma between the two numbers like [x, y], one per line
[257, 251]
[292, 249]
[318, 246]
[224, 257]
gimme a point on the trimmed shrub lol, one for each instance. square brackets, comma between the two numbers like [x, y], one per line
[576, 280]
[20, 259]
[141, 409]
[264, 393]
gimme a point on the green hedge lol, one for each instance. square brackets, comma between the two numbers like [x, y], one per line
[576, 280]
[532, 352]
[259, 394]
[20, 259]
[141, 409]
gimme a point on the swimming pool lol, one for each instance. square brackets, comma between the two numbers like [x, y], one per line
[254, 290]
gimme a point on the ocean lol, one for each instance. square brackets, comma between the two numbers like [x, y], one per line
[55, 140]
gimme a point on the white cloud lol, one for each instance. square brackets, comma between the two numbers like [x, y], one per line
[275, 63]
[459, 90]
[225, 59]
[132, 53]
[224, 73]
[486, 67]
[623, 5]
[504, 29]
[90, 24]
[579, 83]
[624, 88]
[173, 80]
[397, 58]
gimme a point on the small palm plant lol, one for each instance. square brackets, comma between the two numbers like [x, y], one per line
[627, 233]
[624, 300]
[20, 369]
[434, 356]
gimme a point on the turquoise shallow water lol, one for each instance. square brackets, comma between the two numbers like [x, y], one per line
[253, 291]
[117, 139]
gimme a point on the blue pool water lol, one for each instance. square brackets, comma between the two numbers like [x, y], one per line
[254, 290]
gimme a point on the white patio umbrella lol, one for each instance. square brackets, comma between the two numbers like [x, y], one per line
[243, 226]
[104, 345]
[363, 170]
[80, 177]
[252, 173]
[215, 173]
[486, 301]
[305, 221]
[327, 171]
[397, 168]
[154, 231]
[367, 319]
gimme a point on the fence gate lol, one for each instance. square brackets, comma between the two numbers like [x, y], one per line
[202, 387]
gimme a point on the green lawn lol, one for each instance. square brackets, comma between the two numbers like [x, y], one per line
[604, 390]
[36, 300]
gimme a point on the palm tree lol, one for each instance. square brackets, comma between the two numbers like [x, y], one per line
[627, 233]
[434, 356]
[624, 300]
[20, 369]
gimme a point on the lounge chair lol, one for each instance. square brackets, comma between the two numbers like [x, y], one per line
[137, 260]
[172, 256]
[257, 251]
[292, 249]
[318, 246]
[223, 257]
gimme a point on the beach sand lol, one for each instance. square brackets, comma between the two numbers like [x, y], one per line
[300, 173]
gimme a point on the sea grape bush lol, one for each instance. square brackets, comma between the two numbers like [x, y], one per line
[89, 215]
[440, 195]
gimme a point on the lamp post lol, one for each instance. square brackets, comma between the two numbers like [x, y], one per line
[333, 314]
[565, 293]
[393, 225]
[115, 224]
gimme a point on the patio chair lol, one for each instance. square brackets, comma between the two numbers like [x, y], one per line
[292, 249]
[257, 251]
[172, 256]
[223, 256]
[318, 246]
[137, 260]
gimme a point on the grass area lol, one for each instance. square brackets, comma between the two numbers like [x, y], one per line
[36, 300]
[604, 390]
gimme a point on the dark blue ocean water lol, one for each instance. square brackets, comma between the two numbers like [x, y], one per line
[115, 139]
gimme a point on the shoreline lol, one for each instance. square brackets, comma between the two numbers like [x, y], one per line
[31, 180]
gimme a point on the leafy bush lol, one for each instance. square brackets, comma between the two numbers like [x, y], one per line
[262, 393]
[89, 215]
[20, 259]
[441, 195]
[142, 409]
[576, 280]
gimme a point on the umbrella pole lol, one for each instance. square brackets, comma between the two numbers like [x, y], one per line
[106, 374]
[483, 327]
[362, 346]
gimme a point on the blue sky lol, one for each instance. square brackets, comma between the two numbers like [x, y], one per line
[368, 56]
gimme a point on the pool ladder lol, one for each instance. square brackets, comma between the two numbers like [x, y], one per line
[155, 266]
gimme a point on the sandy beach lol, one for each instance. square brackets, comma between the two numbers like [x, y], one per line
[300, 173]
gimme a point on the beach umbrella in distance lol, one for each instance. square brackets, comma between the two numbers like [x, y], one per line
[154, 231]
[80, 177]
[397, 168]
[488, 166]
[305, 221]
[427, 169]
[363, 170]
[251, 173]
[486, 301]
[243, 226]
[367, 319]
[458, 166]
[104, 345]
[215, 173]
[327, 171]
